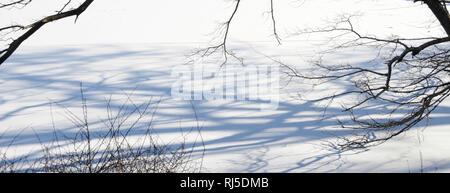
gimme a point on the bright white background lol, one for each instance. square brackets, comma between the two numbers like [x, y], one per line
[146, 21]
[123, 46]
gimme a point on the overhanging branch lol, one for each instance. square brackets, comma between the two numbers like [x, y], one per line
[32, 28]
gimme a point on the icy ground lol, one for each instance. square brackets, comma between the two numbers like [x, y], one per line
[238, 135]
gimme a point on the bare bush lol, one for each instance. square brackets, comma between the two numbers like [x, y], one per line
[113, 150]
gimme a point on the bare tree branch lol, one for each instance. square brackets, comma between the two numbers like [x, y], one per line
[13, 3]
[223, 44]
[32, 28]
[414, 82]
[224, 33]
[274, 23]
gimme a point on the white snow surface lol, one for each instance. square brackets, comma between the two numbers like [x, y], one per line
[131, 47]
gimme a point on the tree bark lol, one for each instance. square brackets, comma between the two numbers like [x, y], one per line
[441, 13]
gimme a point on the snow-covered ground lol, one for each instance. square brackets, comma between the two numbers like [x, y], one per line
[119, 48]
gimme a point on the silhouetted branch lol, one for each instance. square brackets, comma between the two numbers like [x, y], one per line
[413, 83]
[223, 44]
[32, 28]
[224, 30]
[14, 3]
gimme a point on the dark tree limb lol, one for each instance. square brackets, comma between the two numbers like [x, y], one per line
[32, 28]
[439, 10]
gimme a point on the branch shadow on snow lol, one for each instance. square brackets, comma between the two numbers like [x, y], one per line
[33, 80]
